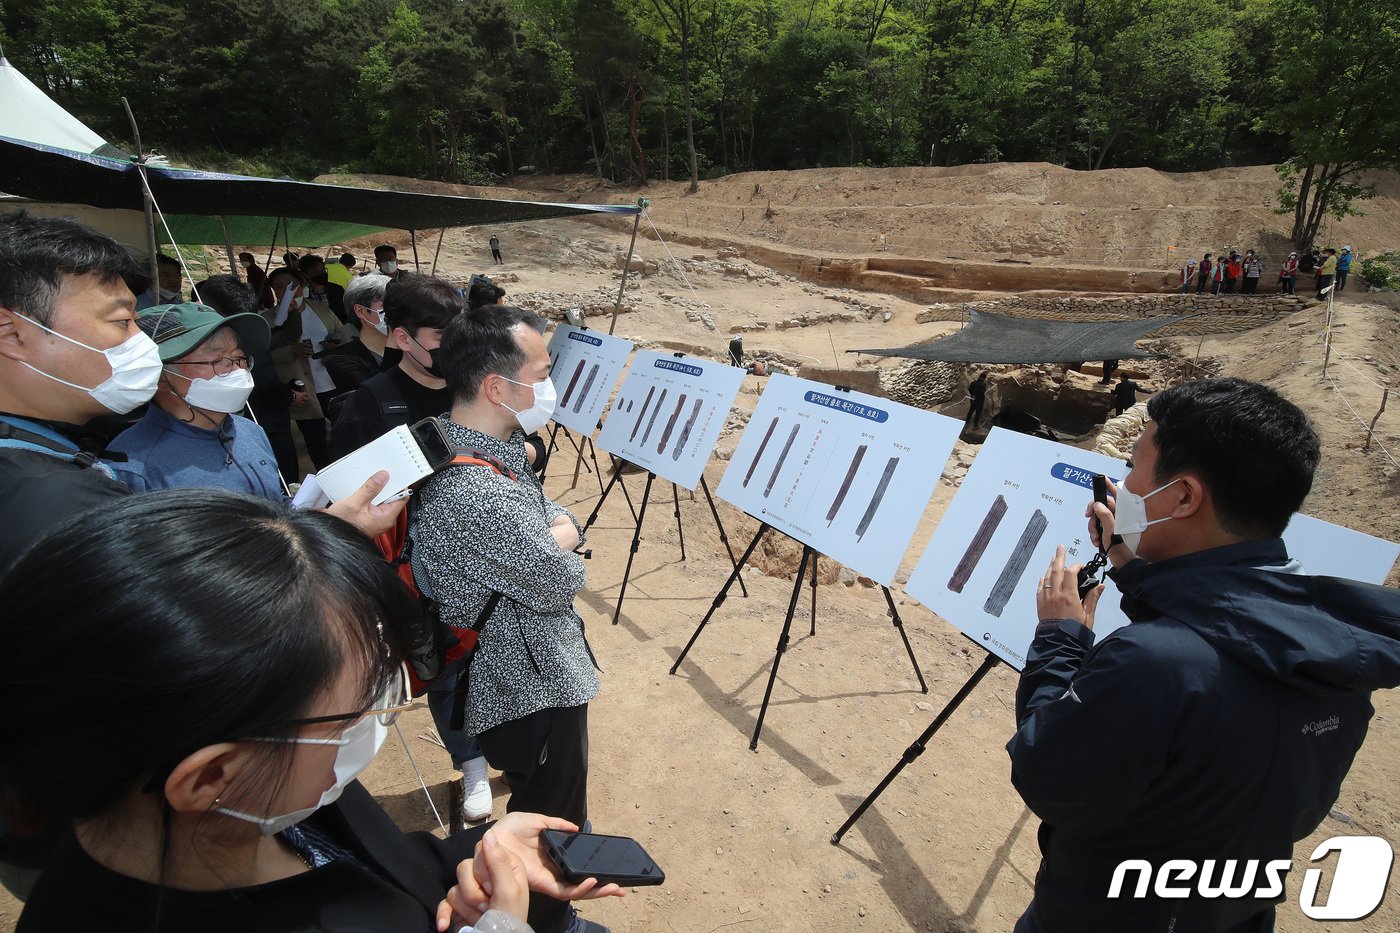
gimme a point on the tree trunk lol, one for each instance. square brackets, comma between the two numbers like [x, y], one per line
[689, 108]
[634, 98]
[592, 138]
[453, 175]
[433, 170]
[665, 144]
[505, 134]
[1300, 210]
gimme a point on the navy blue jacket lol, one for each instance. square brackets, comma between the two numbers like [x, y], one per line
[1218, 725]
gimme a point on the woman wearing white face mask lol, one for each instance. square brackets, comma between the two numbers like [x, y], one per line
[229, 727]
[193, 433]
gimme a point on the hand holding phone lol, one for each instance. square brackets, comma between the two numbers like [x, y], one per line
[580, 856]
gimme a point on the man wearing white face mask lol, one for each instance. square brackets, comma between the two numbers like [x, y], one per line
[193, 433]
[1216, 728]
[478, 530]
[70, 351]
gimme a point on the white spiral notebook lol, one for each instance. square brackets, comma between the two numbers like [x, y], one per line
[398, 451]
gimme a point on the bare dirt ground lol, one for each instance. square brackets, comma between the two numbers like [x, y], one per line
[744, 836]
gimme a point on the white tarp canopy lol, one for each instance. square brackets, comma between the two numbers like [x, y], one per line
[26, 112]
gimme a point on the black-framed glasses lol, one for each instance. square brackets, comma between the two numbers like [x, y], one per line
[395, 699]
[223, 365]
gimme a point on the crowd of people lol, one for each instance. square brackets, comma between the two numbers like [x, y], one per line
[1228, 271]
[194, 674]
[248, 659]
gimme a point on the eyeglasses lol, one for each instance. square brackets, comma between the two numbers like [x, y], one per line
[395, 699]
[223, 365]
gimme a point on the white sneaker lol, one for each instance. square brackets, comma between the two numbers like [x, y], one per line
[476, 790]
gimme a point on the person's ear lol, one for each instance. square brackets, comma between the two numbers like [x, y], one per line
[401, 339]
[12, 343]
[1189, 495]
[200, 781]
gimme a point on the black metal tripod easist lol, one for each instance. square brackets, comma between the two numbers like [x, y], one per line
[639, 517]
[921, 743]
[808, 554]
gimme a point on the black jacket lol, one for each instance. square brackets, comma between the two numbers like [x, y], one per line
[350, 364]
[42, 489]
[1219, 725]
[397, 887]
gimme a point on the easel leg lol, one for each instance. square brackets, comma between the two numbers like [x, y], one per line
[917, 749]
[815, 557]
[593, 516]
[899, 624]
[724, 591]
[593, 455]
[550, 448]
[680, 532]
[724, 538]
[782, 644]
[636, 543]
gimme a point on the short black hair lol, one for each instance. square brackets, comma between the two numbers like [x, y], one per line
[482, 292]
[227, 294]
[481, 341]
[37, 252]
[289, 259]
[223, 631]
[384, 248]
[309, 262]
[242, 256]
[1254, 450]
[420, 301]
[164, 260]
[280, 271]
[347, 259]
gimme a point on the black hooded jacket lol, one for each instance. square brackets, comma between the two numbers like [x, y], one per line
[1218, 725]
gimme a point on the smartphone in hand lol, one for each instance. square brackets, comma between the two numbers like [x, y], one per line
[580, 856]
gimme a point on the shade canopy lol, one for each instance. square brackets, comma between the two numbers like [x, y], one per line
[299, 213]
[1001, 338]
[31, 114]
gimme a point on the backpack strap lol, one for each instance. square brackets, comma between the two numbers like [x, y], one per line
[39, 438]
[470, 640]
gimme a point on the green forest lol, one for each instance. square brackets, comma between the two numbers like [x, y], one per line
[641, 90]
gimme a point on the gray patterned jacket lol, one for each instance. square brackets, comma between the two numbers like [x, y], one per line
[475, 531]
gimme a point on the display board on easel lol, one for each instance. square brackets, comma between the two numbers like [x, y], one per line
[846, 473]
[669, 412]
[1021, 498]
[585, 365]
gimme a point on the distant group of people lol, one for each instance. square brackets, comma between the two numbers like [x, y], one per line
[1223, 274]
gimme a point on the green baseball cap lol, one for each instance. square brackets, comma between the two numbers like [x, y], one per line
[178, 329]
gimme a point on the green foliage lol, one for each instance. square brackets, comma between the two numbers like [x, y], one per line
[1381, 271]
[473, 89]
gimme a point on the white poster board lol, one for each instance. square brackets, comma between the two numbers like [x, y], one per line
[1022, 497]
[668, 414]
[585, 365]
[844, 472]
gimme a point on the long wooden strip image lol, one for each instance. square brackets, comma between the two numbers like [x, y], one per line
[978, 546]
[1016, 565]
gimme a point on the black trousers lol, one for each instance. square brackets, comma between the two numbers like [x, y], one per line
[544, 757]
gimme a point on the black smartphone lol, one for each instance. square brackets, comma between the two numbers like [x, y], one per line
[433, 441]
[580, 856]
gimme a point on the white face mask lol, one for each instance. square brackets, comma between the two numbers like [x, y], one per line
[135, 364]
[382, 326]
[358, 746]
[389, 266]
[227, 393]
[1130, 515]
[168, 295]
[537, 415]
